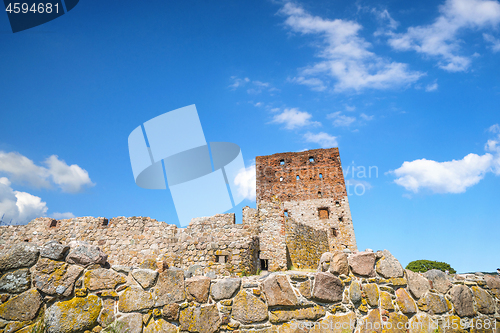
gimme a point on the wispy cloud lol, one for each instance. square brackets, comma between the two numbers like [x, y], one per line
[245, 181]
[495, 43]
[440, 39]
[254, 86]
[431, 87]
[451, 176]
[294, 118]
[340, 120]
[237, 82]
[324, 140]
[346, 63]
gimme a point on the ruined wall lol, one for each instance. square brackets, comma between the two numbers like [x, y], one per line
[317, 198]
[305, 244]
[322, 177]
[272, 235]
[360, 292]
[131, 240]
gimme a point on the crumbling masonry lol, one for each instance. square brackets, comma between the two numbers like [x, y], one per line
[302, 212]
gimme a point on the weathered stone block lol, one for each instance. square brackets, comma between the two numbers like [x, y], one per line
[484, 301]
[335, 324]
[417, 284]
[461, 297]
[355, 292]
[16, 281]
[405, 302]
[102, 278]
[248, 308]
[203, 319]
[439, 280]
[389, 267]
[55, 277]
[160, 325]
[135, 299]
[327, 288]
[283, 315]
[278, 291]
[145, 277]
[197, 288]
[54, 250]
[170, 287]
[19, 255]
[22, 307]
[339, 264]
[75, 315]
[84, 254]
[362, 263]
[226, 288]
[372, 294]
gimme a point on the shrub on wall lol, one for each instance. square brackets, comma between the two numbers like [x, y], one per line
[425, 265]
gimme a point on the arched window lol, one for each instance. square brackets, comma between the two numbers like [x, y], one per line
[311, 159]
[320, 176]
[298, 177]
[282, 162]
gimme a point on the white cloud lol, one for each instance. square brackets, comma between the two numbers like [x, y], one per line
[237, 82]
[452, 176]
[340, 120]
[345, 56]
[350, 108]
[19, 207]
[366, 117]
[294, 118]
[325, 140]
[22, 170]
[431, 87]
[61, 216]
[440, 39]
[495, 43]
[246, 182]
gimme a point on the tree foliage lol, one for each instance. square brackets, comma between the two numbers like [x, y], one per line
[425, 265]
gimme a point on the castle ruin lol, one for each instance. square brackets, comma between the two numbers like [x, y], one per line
[302, 211]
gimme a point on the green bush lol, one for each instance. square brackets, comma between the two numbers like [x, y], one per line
[425, 265]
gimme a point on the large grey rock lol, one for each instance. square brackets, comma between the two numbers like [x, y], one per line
[197, 288]
[485, 303]
[493, 282]
[135, 299]
[19, 255]
[355, 292]
[130, 323]
[145, 277]
[439, 280]
[84, 254]
[226, 288]
[278, 291]
[461, 297]
[75, 315]
[203, 319]
[54, 250]
[436, 304]
[248, 308]
[417, 284]
[101, 278]
[169, 288]
[327, 288]
[22, 307]
[362, 263]
[16, 281]
[389, 267]
[55, 277]
[339, 264]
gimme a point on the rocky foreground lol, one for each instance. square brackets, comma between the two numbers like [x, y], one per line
[73, 289]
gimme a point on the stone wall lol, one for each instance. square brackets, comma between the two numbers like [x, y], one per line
[73, 289]
[305, 244]
[215, 243]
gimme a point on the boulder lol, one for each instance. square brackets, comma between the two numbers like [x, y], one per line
[18, 256]
[388, 266]
[327, 288]
[55, 277]
[434, 304]
[279, 291]
[439, 280]
[386, 301]
[324, 262]
[130, 323]
[107, 315]
[355, 292]
[224, 289]
[22, 307]
[484, 301]
[84, 254]
[405, 302]
[197, 288]
[339, 264]
[417, 284]
[305, 288]
[362, 263]
[15, 282]
[248, 308]
[493, 282]
[145, 277]
[462, 300]
[169, 288]
[102, 278]
[203, 319]
[135, 299]
[160, 325]
[75, 315]
[54, 250]
[372, 294]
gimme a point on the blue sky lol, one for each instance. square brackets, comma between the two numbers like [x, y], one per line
[410, 88]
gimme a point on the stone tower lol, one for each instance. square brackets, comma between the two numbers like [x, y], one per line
[309, 188]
